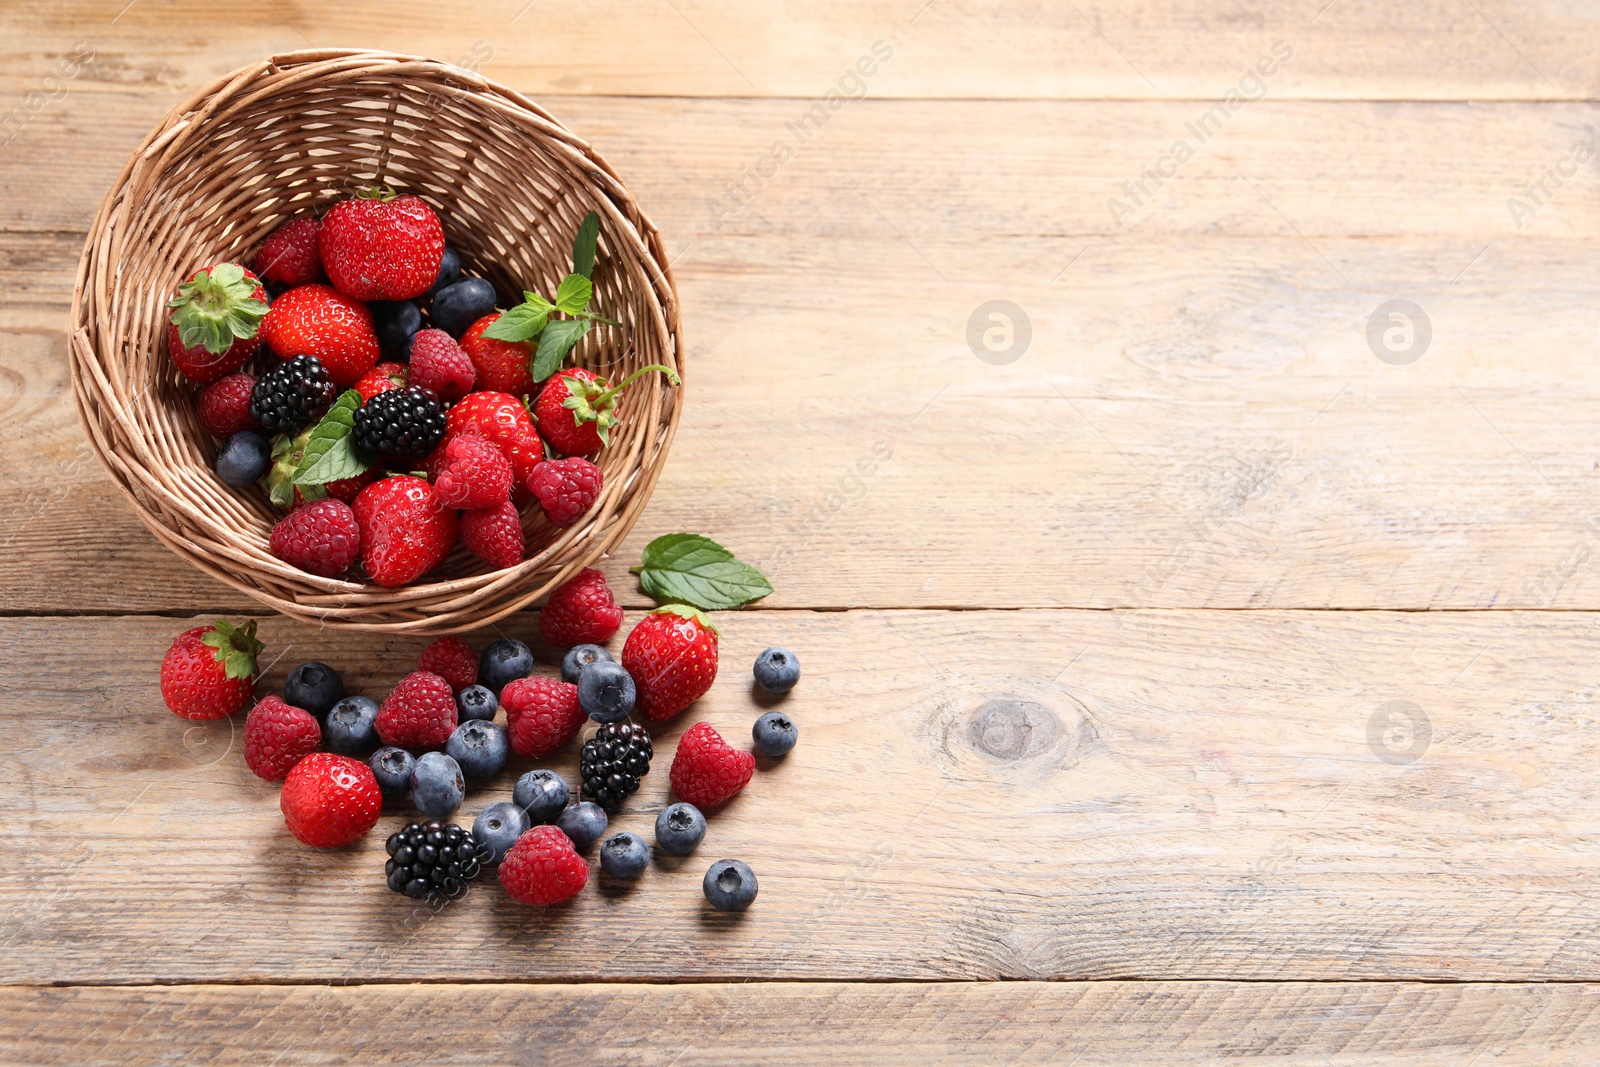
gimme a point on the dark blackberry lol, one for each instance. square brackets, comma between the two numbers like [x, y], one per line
[432, 860]
[400, 422]
[613, 761]
[292, 395]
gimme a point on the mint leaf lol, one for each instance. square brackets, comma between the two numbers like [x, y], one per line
[558, 339]
[521, 323]
[574, 293]
[330, 454]
[693, 569]
[584, 243]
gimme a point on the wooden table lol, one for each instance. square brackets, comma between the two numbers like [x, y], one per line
[1207, 678]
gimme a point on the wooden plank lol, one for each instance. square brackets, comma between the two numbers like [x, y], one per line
[976, 795]
[1108, 1023]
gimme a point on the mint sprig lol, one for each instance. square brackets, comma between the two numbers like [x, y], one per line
[330, 453]
[686, 568]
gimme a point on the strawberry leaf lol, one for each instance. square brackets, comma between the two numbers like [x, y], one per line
[583, 245]
[687, 568]
[574, 293]
[330, 454]
[558, 339]
[236, 647]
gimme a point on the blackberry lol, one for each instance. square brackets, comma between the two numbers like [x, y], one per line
[613, 761]
[432, 860]
[292, 395]
[400, 422]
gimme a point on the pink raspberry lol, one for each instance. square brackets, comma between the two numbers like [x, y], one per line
[321, 537]
[277, 736]
[225, 405]
[451, 659]
[543, 868]
[565, 488]
[706, 770]
[494, 534]
[474, 474]
[438, 363]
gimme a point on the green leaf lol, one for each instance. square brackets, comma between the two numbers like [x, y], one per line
[693, 569]
[236, 647]
[330, 453]
[521, 323]
[584, 243]
[574, 293]
[558, 339]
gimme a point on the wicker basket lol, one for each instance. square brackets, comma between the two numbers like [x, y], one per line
[292, 134]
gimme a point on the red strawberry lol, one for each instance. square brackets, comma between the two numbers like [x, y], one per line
[542, 714]
[380, 246]
[502, 366]
[330, 801]
[438, 363]
[706, 770]
[321, 537]
[576, 408]
[216, 320]
[503, 419]
[209, 671]
[418, 713]
[225, 405]
[277, 736]
[672, 655]
[474, 474]
[405, 531]
[565, 488]
[289, 256]
[451, 659]
[581, 611]
[543, 868]
[494, 535]
[381, 379]
[314, 320]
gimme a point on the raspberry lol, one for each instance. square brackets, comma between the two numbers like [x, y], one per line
[418, 713]
[330, 801]
[225, 406]
[543, 868]
[494, 534]
[292, 395]
[451, 659]
[399, 422]
[432, 860]
[384, 378]
[474, 473]
[277, 736]
[613, 761]
[321, 537]
[289, 256]
[566, 488]
[706, 770]
[581, 611]
[438, 363]
[543, 714]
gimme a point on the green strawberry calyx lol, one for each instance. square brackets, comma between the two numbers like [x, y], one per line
[684, 611]
[595, 401]
[375, 192]
[217, 307]
[236, 647]
[287, 454]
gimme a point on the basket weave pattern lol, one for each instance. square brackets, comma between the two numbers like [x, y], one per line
[293, 134]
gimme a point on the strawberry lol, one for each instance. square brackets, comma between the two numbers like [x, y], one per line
[405, 531]
[225, 405]
[419, 712]
[542, 714]
[289, 256]
[565, 488]
[438, 363]
[706, 770]
[381, 379]
[494, 534]
[502, 366]
[380, 246]
[330, 801]
[277, 736]
[451, 659]
[503, 419]
[314, 320]
[543, 868]
[209, 671]
[576, 409]
[581, 611]
[215, 324]
[672, 655]
[474, 473]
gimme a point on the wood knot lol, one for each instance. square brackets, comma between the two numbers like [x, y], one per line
[1012, 738]
[1010, 729]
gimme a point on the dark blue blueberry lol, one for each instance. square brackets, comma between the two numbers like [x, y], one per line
[680, 828]
[624, 855]
[584, 823]
[479, 747]
[606, 692]
[352, 726]
[504, 661]
[437, 787]
[776, 670]
[460, 305]
[449, 271]
[392, 768]
[578, 657]
[775, 733]
[314, 686]
[497, 828]
[542, 794]
[396, 323]
[477, 702]
[730, 885]
[244, 458]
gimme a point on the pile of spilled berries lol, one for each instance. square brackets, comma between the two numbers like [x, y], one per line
[343, 757]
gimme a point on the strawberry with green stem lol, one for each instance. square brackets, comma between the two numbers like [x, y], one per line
[577, 408]
[209, 671]
[215, 322]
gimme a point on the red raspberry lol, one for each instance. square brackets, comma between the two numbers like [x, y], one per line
[451, 659]
[330, 801]
[502, 366]
[289, 256]
[225, 406]
[438, 363]
[381, 379]
[494, 534]
[277, 736]
[543, 868]
[321, 537]
[706, 770]
[542, 713]
[418, 713]
[566, 488]
[474, 473]
[581, 611]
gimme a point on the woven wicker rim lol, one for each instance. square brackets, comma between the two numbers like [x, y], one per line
[290, 135]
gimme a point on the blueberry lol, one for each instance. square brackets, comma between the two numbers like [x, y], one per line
[244, 458]
[396, 323]
[624, 855]
[437, 788]
[777, 670]
[449, 271]
[477, 702]
[352, 726]
[606, 692]
[497, 828]
[775, 733]
[314, 686]
[584, 823]
[504, 661]
[542, 794]
[461, 304]
[480, 748]
[730, 885]
[680, 828]
[392, 768]
[578, 657]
